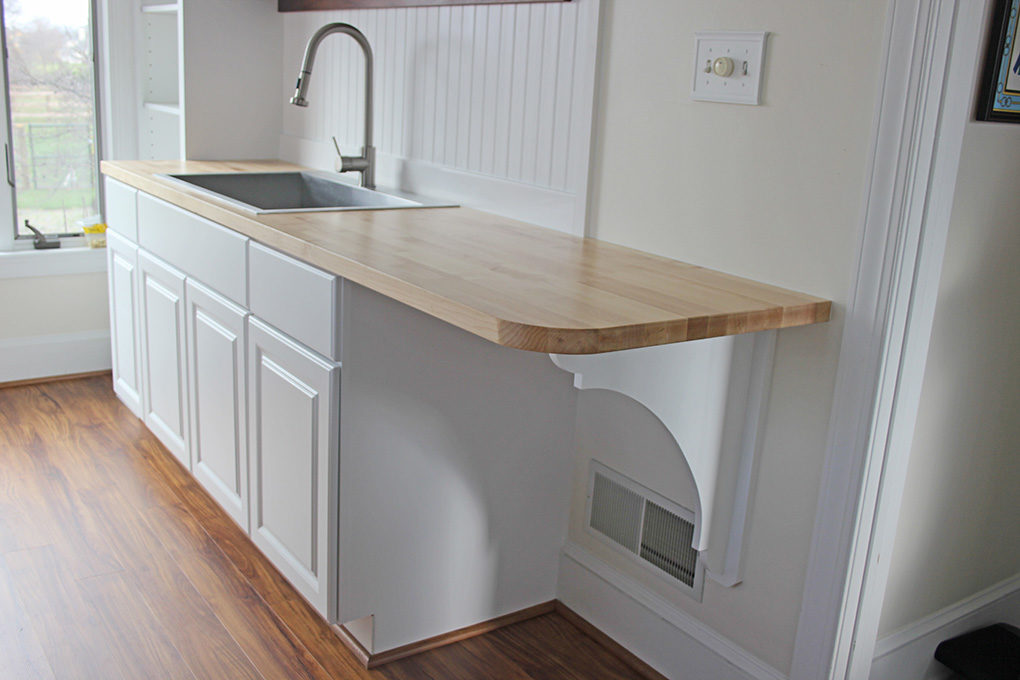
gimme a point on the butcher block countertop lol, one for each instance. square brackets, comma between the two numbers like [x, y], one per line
[515, 284]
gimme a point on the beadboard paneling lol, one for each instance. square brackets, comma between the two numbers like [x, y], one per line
[305, 5]
[500, 92]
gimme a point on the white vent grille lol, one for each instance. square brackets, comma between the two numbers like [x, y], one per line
[616, 512]
[653, 529]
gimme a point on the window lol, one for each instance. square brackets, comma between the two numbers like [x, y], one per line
[52, 143]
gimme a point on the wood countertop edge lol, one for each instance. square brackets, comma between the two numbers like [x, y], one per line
[598, 340]
[505, 332]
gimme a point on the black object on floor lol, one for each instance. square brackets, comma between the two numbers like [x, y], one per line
[991, 653]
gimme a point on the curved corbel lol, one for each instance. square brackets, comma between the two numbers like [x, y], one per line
[710, 395]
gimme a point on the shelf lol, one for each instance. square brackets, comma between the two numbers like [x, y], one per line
[159, 132]
[160, 61]
[161, 107]
[164, 8]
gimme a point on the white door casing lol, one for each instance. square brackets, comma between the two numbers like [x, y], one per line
[926, 93]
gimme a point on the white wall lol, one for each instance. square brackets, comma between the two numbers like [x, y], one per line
[47, 305]
[958, 530]
[771, 193]
[454, 468]
[53, 325]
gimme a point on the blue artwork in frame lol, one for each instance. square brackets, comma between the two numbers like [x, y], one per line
[1000, 87]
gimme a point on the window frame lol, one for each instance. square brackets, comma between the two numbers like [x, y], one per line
[11, 240]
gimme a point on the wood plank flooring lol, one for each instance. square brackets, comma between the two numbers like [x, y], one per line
[115, 564]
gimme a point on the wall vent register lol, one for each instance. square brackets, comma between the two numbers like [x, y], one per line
[652, 529]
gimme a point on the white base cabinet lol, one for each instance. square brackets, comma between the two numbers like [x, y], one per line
[122, 271]
[164, 360]
[293, 454]
[452, 517]
[217, 398]
[253, 412]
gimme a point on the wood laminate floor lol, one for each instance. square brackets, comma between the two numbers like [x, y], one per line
[115, 565]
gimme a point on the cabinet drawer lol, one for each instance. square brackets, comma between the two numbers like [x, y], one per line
[121, 209]
[214, 255]
[297, 298]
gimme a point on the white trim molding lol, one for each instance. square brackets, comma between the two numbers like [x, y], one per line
[926, 90]
[909, 651]
[19, 264]
[45, 356]
[673, 642]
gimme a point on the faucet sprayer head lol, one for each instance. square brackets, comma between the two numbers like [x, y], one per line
[300, 89]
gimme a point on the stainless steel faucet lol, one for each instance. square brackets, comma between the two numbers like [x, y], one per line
[365, 163]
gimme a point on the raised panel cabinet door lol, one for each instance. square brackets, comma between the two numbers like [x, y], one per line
[164, 360]
[122, 272]
[293, 445]
[217, 397]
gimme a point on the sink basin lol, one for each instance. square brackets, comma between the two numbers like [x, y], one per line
[285, 192]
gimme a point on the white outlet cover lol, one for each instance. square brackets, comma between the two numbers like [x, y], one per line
[743, 86]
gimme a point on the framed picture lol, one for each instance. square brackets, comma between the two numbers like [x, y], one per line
[1000, 88]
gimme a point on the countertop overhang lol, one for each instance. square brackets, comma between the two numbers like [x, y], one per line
[512, 283]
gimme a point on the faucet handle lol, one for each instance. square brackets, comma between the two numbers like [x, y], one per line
[344, 163]
[338, 162]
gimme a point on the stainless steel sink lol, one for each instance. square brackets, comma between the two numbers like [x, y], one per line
[287, 192]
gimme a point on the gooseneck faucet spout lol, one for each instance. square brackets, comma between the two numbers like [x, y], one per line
[365, 163]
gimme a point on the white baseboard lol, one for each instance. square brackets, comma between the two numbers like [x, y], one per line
[909, 652]
[663, 636]
[43, 356]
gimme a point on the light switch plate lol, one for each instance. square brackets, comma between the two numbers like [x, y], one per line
[743, 86]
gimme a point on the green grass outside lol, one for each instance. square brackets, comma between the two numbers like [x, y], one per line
[48, 155]
[44, 199]
[54, 166]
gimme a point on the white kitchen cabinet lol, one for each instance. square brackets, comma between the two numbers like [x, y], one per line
[250, 407]
[164, 360]
[122, 271]
[194, 75]
[217, 397]
[293, 450]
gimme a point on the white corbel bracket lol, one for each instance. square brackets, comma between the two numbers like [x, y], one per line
[710, 394]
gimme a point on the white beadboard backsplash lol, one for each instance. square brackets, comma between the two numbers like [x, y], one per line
[490, 105]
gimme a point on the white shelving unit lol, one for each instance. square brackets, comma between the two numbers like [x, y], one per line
[207, 77]
[160, 129]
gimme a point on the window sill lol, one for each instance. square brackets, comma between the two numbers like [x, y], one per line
[59, 262]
